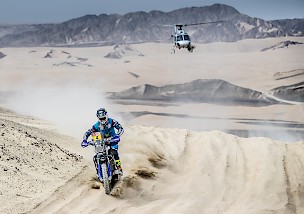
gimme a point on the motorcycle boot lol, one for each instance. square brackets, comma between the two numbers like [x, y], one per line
[118, 165]
[96, 167]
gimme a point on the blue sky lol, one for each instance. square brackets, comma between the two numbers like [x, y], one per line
[54, 11]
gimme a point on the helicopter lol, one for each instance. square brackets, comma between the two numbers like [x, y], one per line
[181, 38]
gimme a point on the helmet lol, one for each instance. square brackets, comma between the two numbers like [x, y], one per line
[102, 115]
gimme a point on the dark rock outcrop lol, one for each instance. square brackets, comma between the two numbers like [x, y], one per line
[122, 50]
[2, 55]
[291, 92]
[284, 44]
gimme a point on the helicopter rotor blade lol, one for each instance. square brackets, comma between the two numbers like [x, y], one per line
[182, 25]
[204, 23]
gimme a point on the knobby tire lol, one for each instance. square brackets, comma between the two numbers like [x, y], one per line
[105, 177]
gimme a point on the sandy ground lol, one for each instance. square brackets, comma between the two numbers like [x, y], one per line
[174, 157]
[166, 171]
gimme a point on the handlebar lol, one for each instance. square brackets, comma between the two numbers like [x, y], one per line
[106, 142]
[91, 143]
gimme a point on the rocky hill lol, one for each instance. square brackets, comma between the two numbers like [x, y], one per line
[214, 91]
[150, 27]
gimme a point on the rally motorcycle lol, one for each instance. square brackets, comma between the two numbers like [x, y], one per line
[107, 171]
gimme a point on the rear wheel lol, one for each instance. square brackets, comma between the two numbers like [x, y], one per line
[105, 177]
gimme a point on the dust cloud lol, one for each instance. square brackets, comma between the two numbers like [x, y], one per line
[69, 103]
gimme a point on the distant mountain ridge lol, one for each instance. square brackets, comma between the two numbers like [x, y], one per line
[140, 27]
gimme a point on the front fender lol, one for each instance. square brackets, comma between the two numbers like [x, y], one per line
[102, 158]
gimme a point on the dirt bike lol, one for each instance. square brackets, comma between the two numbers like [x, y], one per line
[107, 171]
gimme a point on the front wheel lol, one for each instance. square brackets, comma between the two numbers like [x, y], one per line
[106, 183]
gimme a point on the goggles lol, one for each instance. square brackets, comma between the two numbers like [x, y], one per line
[102, 118]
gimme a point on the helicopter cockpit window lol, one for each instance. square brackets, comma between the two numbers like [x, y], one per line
[186, 38]
[179, 38]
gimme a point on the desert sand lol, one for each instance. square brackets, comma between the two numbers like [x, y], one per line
[177, 157]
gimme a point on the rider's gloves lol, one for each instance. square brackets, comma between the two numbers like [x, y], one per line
[115, 139]
[84, 144]
[112, 140]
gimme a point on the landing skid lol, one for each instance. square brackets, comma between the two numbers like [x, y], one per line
[189, 48]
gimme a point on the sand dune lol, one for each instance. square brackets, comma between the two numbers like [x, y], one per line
[33, 162]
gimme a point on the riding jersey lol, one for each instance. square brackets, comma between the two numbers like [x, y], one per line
[107, 130]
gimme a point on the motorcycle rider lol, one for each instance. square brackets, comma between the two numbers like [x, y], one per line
[106, 126]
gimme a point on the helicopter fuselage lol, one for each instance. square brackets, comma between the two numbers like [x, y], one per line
[182, 40]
